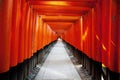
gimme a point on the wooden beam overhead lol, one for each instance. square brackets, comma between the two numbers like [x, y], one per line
[72, 8]
[62, 7]
[61, 10]
[66, 0]
[61, 3]
[60, 27]
[58, 13]
[60, 18]
[52, 12]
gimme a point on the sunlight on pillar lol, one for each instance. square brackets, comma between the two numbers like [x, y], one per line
[113, 43]
[37, 23]
[85, 34]
[81, 27]
[104, 48]
[97, 37]
[103, 65]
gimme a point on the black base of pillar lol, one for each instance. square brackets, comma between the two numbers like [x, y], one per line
[4, 76]
[13, 73]
[97, 70]
[110, 75]
[113, 75]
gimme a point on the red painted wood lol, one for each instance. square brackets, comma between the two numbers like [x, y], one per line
[114, 44]
[97, 32]
[15, 33]
[21, 53]
[106, 28]
[30, 32]
[27, 32]
[26, 28]
[5, 34]
[118, 15]
[77, 34]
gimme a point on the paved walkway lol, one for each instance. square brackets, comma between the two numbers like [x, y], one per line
[58, 66]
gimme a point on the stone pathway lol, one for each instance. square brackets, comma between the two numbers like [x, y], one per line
[58, 66]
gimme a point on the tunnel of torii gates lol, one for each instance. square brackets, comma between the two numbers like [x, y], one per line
[92, 26]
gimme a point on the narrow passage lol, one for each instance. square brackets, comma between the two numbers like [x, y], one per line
[58, 65]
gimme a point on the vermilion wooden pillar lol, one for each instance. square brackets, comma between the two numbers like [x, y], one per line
[49, 34]
[63, 36]
[30, 32]
[72, 36]
[114, 37]
[96, 38]
[33, 32]
[15, 32]
[93, 46]
[90, 34]
[22, 33]
[110, 38]
[41, 32]
[78, 33]
[118, 15]
[97, 32]
[90, 41]
[54, 36]
[5, 34]
[44, 32]
[36, 32]
[46, 35]
[114, 61]
[106, 28]
[27, 31]
[81, 32]
[69, 38]
[26, 27]
[85, 34]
